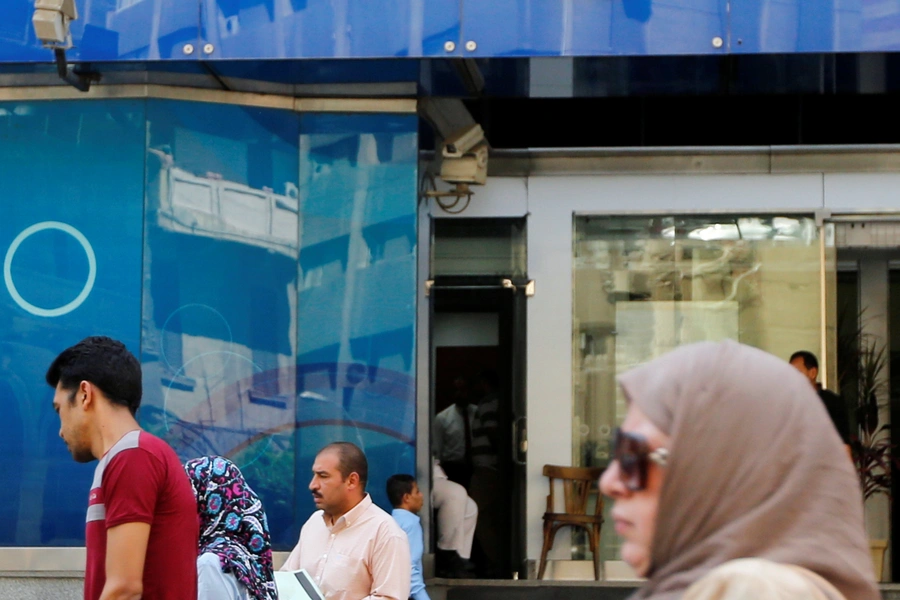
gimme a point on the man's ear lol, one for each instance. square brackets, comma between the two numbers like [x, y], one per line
[353, 479]
[84, 397]
[814, 373]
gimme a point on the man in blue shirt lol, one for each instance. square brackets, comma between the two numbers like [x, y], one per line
[405, 497]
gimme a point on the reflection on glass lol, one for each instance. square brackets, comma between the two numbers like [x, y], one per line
[269, 293]
[355, 357]
[279, 292]
[220, 278]
[644, 286]
[72, 207]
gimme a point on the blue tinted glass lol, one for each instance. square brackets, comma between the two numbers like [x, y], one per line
[270, 294]
[107, 30]
[320, 28]
[220, 310]
[356, 306]
[70, 235]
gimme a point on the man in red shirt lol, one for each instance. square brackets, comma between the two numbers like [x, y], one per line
[142, 526]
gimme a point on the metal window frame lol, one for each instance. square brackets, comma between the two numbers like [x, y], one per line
[695, 160]
[170, 92]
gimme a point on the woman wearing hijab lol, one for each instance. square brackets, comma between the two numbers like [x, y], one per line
[235, 555]
[730, 483]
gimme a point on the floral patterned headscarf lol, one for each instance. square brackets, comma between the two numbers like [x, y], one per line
[233, 524]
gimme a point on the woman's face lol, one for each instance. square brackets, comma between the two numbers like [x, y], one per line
[634, 513]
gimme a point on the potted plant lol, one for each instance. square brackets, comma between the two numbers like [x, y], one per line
[862, 376]
[872, 447]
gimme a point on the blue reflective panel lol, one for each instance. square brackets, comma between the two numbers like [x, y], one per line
[814, 26]
[220, 309]
[107, 29]
[356, 359]
[70, 234]
[587, 27]
[247, 29]
[326, 29]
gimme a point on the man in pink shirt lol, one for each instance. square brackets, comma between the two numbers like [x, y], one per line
[141, 529]
[351, 548]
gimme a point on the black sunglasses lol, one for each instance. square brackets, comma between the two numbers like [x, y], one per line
[633, 453]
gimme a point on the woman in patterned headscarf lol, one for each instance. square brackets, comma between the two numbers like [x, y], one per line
[235, 555]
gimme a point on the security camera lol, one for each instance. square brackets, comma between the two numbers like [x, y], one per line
[471, 167]
[465, 156]
[462, 141]
[51, 22]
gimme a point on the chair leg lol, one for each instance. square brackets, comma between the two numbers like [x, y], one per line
[594, 535]
[549, 534]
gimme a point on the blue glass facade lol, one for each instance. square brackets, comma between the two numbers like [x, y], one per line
[261, 263]
[168, 30]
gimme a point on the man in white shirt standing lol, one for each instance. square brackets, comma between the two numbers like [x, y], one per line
[351, 548]
[452, 435]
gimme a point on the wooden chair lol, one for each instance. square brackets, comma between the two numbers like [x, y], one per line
[577, 484]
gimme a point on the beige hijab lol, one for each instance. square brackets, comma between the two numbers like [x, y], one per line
[756, 469]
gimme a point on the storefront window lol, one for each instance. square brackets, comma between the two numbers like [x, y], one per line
[70, 235]
[260, 262]
[646, 285]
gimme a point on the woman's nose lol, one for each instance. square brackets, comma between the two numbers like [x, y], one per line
[611, 481]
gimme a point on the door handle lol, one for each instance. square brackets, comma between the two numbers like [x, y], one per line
[520, 440]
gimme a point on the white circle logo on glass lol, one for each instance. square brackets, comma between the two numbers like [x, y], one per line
[88, 285]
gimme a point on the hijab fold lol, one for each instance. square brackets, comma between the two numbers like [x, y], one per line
[756, 470]
[233, 524]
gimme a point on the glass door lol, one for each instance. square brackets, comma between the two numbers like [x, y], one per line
[478, 352]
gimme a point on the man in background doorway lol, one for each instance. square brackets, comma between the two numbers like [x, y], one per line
[457, 515]
[452, 436]
[807, 363]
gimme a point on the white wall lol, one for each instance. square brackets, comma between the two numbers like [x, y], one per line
[551, 201]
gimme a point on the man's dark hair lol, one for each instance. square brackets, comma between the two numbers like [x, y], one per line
[104, 362]
[350, 460]
[398, 486]
[809, 359]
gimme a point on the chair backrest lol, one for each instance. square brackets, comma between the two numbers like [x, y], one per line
[577, 484]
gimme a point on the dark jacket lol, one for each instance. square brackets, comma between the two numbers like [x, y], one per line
[837, 410]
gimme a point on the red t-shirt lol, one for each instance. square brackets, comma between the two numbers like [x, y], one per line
[141, 480]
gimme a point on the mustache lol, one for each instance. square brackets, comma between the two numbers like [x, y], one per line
[316, 495]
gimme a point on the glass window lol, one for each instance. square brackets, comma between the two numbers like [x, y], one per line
[473, 246]
[645, 285]
[70, 235]
[281, 302]
[357, 299]
[269, 292]
[220, 297]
